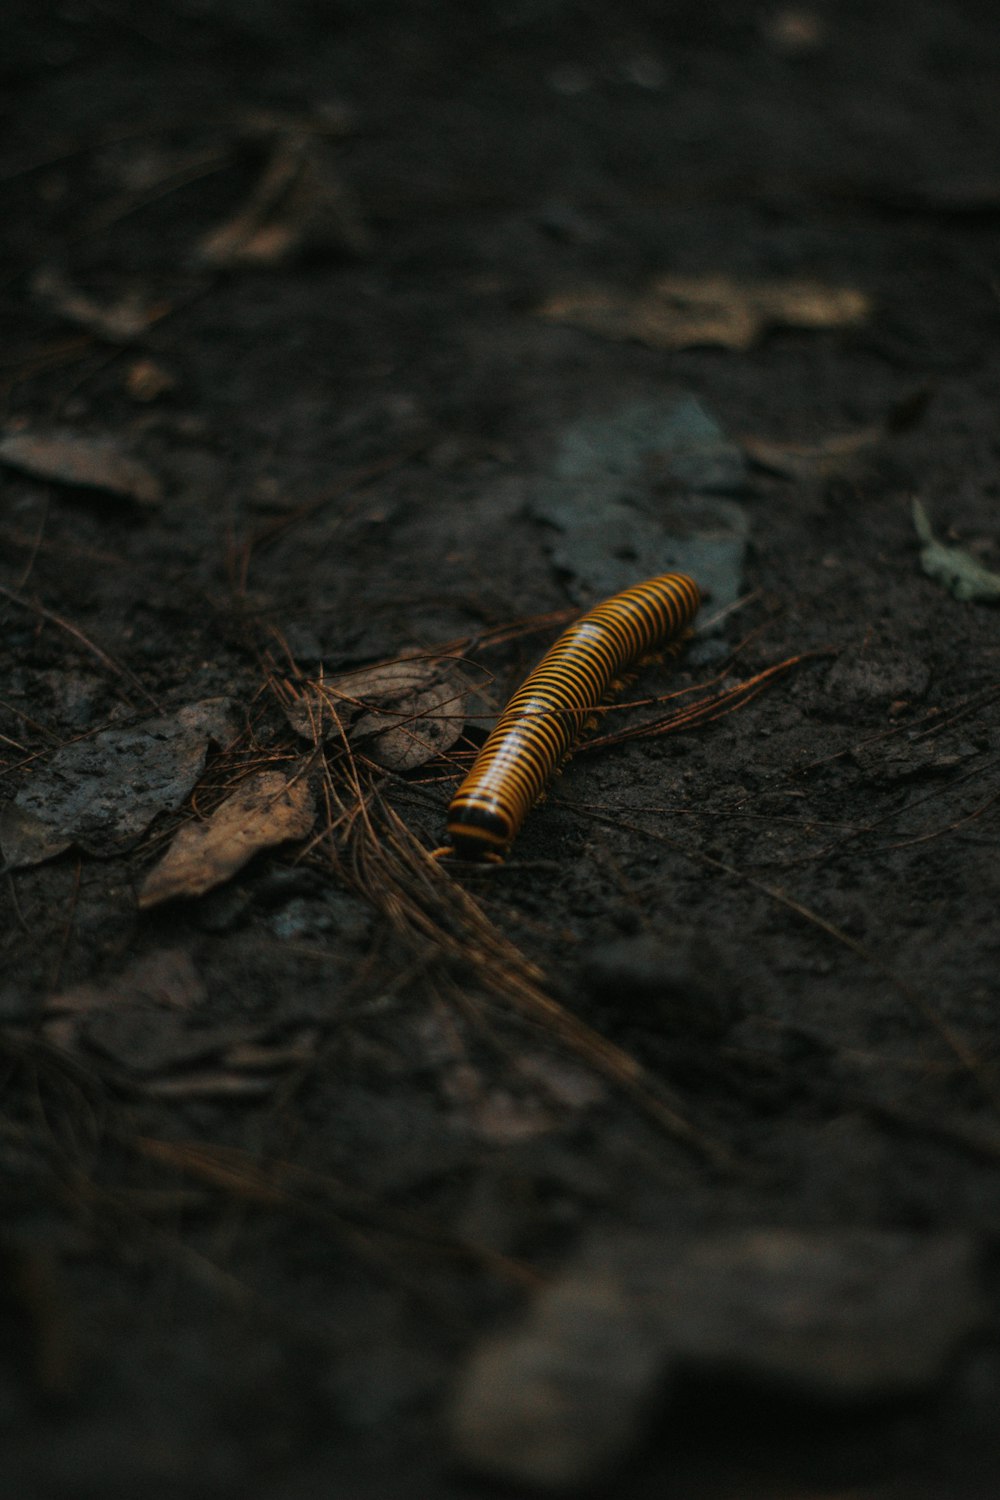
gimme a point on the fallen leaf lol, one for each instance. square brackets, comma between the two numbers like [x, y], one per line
[102, 793]
[957, 569]
[683, 312]
[90, 462]
[120, 321]
[832, 455]
[410, 710]
[26, 840]
[267, 809]
[299, 203]
[840, 452]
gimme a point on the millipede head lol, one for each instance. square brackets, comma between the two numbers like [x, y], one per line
[477, 832]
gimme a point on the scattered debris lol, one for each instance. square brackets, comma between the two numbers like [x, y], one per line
[300, 203]
[150, 1021]
[685, 312]
[119, 322]
[844, 1315]
[837, 454]
[148, 381]
[144, 1038]
[96, 463]
[957, 569]
[841, 452]
[101, 793]
[267, 809]
[410, 710]
[167, 977]
[638, 492]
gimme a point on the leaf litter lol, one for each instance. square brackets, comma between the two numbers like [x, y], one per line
[838, 452]
[68, 457]
[299, 203]
[119, 321]
[400, 713]
[685, 312]
[267, 809]
[149, 1020]
[101, 793]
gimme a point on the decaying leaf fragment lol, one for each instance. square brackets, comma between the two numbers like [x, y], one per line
[683, 312]
[300, 202]
[267, 809]
[96, 463]
[401, 713]
[836, 454]
[957, 569]
[119, 321]
[101, 793]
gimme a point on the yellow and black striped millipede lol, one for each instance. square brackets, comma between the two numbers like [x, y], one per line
[556, 702]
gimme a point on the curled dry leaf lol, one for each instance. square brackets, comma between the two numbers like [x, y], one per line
[96, 463]
[401, 713]
[267, 809]
[682, 312]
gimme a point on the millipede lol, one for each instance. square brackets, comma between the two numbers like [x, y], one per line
[556, 703]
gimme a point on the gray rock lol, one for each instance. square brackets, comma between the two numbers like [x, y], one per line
[832, 1316]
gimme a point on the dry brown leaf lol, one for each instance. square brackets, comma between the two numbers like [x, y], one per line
[683, 312]
[118, 321]
[411, 710]
[267, 809]
[93, 462]
[299, 203]
[832, 455]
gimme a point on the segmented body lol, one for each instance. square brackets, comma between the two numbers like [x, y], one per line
[549, 712]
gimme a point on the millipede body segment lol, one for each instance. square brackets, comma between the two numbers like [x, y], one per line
[548, 713]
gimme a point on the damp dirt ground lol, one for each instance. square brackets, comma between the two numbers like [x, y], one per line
[277, 1159]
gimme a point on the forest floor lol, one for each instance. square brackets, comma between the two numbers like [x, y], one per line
[665, 1154]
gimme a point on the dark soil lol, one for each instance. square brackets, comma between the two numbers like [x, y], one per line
[232, 1273]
